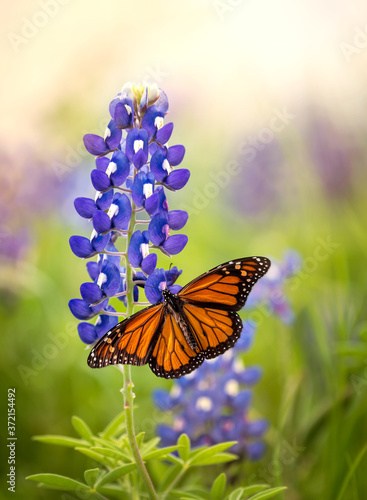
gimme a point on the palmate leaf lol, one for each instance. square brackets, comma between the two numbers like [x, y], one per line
[254, 488]
[219, 487]
[149, 445]
[82, 428]
[161, 452]
[184, 451]
[206, 456]
[91, 476]
[264, 495]
[93, 455]
[61, 440]
[236, 494]
[107, 452]
[57, 482]
[115, 474]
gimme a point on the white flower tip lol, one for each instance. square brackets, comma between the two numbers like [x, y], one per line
[113, 210]
[102, 278]
[144, 250]
[148, 190]
[204, 403]
[138, 144]
[158, 122]
[112, 167]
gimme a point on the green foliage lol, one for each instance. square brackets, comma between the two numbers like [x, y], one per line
[115, 473]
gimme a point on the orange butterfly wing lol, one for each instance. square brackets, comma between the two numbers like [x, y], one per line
[215, 330]
[227, 286]
[129, 342]
[172, 356]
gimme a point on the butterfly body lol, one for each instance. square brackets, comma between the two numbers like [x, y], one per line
[199, 322]
[174, 307]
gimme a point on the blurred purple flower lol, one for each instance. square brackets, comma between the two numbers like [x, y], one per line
[212, 403]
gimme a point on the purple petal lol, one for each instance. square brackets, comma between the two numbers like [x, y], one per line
[119, 168]
[80, 309]
[164, 134]
[175, 289]
[151, 203]
[81, 246]
[250, 375]
[104, 200]
[149, 263]
[256, 428]
[100, 180]
[175, 244]
[156, 166]
[98, 307]
[101, 221]
[255, 451]
[102, 163]
[140, 158]
[177, 219]
[152, 288]
[133, 252]
[91, 293]
[122, 215]
[105, 322]
[242, 400]
[112, 279]
[177, 179]
[162, 103]
[130, 139]
[121, 115]
[100, 241]
[158, 228]
[175, 155]
[87, 333]
[93, 270]
[94, 144]
[85, 207]
[113, 140]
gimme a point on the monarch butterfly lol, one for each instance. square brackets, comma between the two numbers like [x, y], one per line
[176, 335]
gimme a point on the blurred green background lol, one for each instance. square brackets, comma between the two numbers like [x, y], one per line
[269, 100]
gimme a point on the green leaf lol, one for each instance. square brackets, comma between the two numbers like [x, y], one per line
[114, 492]
[114, 426]
[91, 476]
[264, 495]
[205, 453]
[220, 458]
[82, 428]
[161, 452]
[351, 472]
[93, 455]
[139, 438]
[184, 451]
[58, 482]
[236, 494]
[115, 474]
[254, 488]
[61, 440]
[149, 445]
[110, 445]
[219, 487]
[107, 452]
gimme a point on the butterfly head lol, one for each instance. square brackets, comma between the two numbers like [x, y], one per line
[167, 294]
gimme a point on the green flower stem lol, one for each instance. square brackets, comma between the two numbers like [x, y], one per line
[127, 390]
